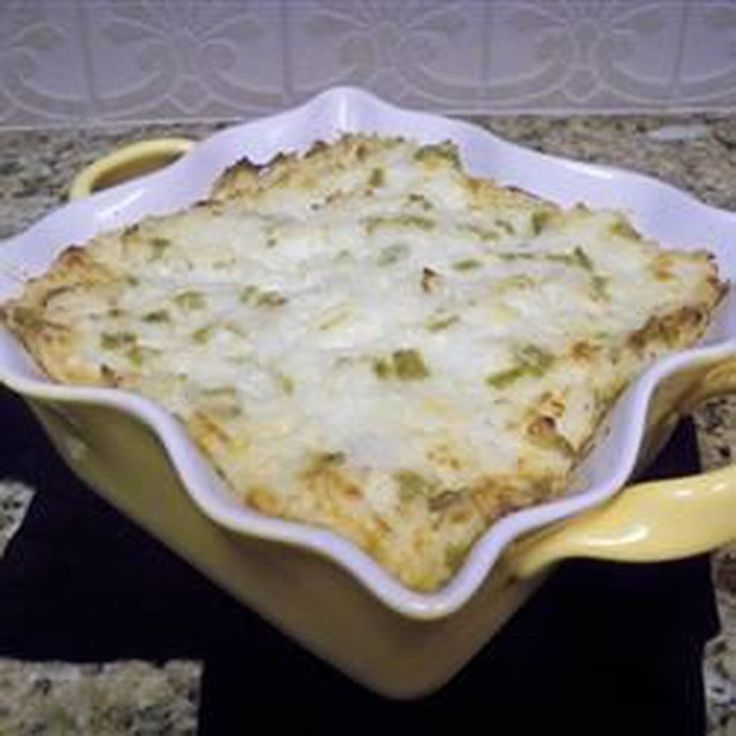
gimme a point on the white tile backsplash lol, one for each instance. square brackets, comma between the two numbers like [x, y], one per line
[88, 62]
[42, 67]
[184, 59]
[708, 75]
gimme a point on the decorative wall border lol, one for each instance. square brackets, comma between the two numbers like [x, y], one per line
[92, 62]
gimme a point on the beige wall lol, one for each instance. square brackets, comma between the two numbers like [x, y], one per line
[71, 62]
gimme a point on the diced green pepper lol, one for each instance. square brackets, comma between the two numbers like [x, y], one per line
[377, 178]
[116, 340]
[531, 360]
[467, 264]
[159, 315]
[270, 299]
[159, 245]
[507, 377]
[441, 323]
[455, 554]
[445, 151]
[382, 368]
[539, 220]
[135, 355]
[409, 365]
[392, 254]
[190, 300]
[203, 334]
[411, 485]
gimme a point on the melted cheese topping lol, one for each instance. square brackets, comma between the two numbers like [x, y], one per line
[370, 340]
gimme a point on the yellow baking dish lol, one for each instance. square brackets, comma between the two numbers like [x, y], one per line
[315, 587]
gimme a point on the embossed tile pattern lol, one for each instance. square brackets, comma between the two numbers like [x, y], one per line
[66, 62]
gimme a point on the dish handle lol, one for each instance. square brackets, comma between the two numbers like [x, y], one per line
[646, 522]
[134, 159]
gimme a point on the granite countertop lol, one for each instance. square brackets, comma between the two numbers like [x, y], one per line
[694, 152]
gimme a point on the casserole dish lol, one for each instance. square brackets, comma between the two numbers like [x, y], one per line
[395, 640]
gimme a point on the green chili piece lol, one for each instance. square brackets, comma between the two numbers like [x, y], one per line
[407, 220]
[582, 258]
[116, 340]
[159, 315]
[135, 355]
[600, 286]
[203, 334]
[377, 178]
[455, 554]
[444, 151]
[623, 229]
[467, 264]
[441, 323]
[190, 300]
[382, 368]
[507, 377]
[531, 361]
[392, 253]
[409, 365]
[411, 485]
[159, 245]
[535, 359]
[539, 220]
[270, 299]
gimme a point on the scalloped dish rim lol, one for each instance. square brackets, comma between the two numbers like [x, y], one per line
[352, 110]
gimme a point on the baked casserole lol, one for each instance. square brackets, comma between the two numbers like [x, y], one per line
[368, 339]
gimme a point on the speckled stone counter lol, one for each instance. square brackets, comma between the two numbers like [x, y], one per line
[696, 153]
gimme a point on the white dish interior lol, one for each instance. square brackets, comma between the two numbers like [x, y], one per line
[658, 210]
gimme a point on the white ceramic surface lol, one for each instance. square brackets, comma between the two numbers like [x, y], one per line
[659, 211]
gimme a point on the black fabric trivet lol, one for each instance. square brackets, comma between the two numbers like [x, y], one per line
[601, 648]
